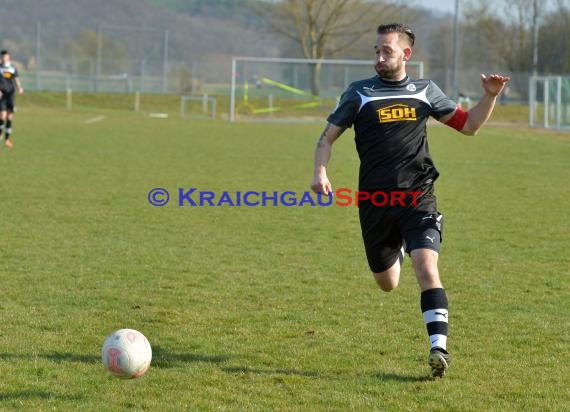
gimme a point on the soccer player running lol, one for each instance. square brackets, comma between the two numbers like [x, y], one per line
[9, 83]
[389, 113]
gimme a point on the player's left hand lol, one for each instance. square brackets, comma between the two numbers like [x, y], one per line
[494, 84]
[21, 90]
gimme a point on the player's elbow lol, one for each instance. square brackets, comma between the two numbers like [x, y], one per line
[469, 132]
[470, 129]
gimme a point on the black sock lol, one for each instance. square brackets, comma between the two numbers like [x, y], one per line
[1, 127]
[8, 128]
[434, 307]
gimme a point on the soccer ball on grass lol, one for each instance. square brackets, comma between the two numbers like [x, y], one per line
[126, 353]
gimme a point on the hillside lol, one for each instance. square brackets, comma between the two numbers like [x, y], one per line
[136, 26]
[202, 37]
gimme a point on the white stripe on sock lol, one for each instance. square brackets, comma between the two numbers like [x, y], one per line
[439, 341]
[435, 315]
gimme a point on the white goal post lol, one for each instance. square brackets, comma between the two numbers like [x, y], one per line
[203, 106]
[264, 87]
[549, 102]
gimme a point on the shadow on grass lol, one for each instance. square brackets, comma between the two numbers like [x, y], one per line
[383, 376]
[71, 357]
[257, 371]
[57, 357]
[161, 358]
[34, 395]
[164, 358]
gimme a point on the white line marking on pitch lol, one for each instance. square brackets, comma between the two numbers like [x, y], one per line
[95, 119]
[159, 115]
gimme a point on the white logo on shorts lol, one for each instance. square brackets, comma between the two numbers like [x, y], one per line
[431, 239]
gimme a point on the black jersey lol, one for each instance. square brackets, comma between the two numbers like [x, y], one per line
[390, 130]
[8, 77]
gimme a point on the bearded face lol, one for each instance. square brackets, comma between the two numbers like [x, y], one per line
[390, 56]
[389, 70]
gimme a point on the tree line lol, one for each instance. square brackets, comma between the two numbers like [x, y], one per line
[515, 36]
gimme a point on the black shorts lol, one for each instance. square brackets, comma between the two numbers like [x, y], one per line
[7, 102]
[386, 228]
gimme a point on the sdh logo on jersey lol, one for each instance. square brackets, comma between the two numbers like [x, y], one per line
[396, 113]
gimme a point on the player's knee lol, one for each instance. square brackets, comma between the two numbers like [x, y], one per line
[388, 280]
[387, 285]
[427, 275]
[425, 263]
[427, 269]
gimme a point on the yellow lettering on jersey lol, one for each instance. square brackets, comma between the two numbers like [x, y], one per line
[396, 113]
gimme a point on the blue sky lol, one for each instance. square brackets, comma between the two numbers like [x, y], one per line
[442, 5]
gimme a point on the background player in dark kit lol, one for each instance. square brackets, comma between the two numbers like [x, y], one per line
[9, 84]
[389, 113]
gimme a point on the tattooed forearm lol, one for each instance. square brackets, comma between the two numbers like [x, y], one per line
[328, 128]
[323, 135]
[324, 147]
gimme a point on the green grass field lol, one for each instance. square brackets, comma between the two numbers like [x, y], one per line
[252, 308]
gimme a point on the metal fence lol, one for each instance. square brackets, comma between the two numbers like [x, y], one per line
[102, 58]
[114, 83]
[549, 101]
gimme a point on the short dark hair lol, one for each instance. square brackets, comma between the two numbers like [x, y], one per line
[4, 52]
[398, 28]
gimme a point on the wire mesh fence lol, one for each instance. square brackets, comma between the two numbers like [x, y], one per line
[129, 59]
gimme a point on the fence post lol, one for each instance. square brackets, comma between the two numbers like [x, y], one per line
[546, 103]
[233, 91]
[205, 103]
[99, 55]
[38, 54]
[68, 99]
[559, 102]
[531, 102]
[165, 62]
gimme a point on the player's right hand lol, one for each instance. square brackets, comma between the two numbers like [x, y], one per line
[321, 184]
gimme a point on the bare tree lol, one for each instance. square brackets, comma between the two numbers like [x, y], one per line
[82, 53]
[506, 40]
[497, 46]
[554, 40]
[322, 29]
